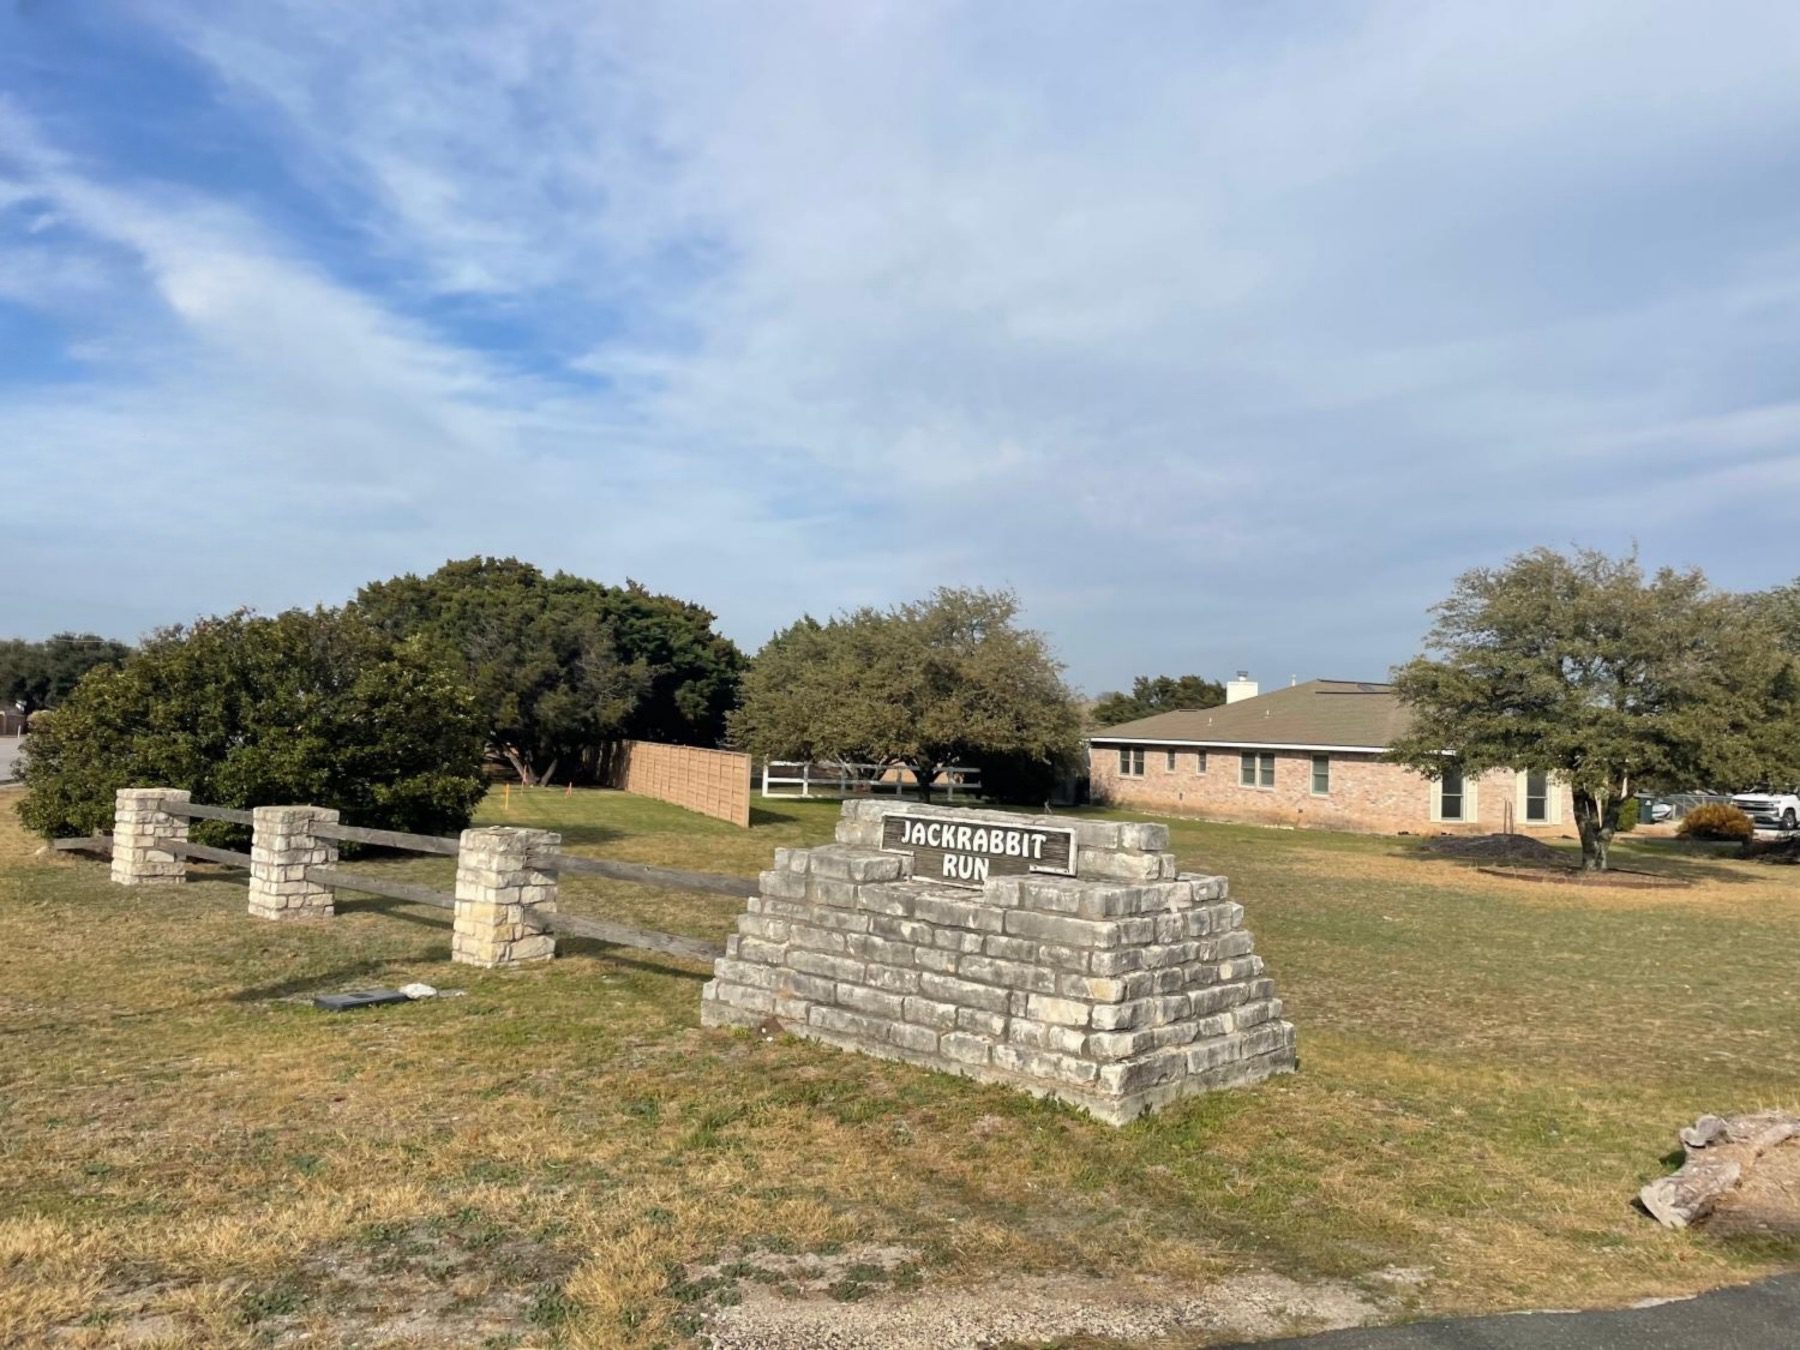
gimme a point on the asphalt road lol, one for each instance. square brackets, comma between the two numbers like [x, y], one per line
[1763, 1316]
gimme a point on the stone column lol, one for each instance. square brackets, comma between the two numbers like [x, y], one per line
[138, 821]
[281, 849]
[503, 893]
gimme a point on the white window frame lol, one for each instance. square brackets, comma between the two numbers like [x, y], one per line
[1313, 781]
[1257, 761]
[1131, 761]
[1552, 799]
[1199, 762]
[1471, 808]
[1168, 761]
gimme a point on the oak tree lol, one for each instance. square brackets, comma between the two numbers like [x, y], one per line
[36, 675]
[946, 680]
[1582, 666]
[561, 664]
[1152, 694]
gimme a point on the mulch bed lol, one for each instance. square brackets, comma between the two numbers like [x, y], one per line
[1522, 858]
[1774, 851]
[1518, 849]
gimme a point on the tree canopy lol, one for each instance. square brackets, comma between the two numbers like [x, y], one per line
[1152, 694]
[560, 664]
[1780, 608]
[952, 678]
[1583, 667]
[36, 675]
[319, 708]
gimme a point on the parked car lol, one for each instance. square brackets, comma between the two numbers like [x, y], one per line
[1770, 810]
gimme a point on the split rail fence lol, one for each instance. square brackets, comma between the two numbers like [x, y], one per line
[504, 907]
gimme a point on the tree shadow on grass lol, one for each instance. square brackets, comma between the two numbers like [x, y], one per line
[1625, 865]
[775, 815]
[628, 956]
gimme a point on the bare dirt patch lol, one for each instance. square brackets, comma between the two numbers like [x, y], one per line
[1032, 1311]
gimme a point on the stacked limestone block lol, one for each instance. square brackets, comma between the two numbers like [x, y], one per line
[504, 892]
[282, 847]
[1117, 990]
[138, 822]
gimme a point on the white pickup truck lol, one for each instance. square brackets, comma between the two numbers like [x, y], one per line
[1770, 810]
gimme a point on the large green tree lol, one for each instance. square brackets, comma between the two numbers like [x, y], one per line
[318, 708]
[1780, 608]
[36, 675]
[949, 679]
[1581, 666]
[1151, 694]
[560, 664]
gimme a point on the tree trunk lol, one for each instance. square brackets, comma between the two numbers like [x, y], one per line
[1592, 820]
[520, 764]
[544, 778]
[1597, 818]
[924, 774]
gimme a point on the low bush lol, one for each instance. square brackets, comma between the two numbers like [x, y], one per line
[1628, 815]
[320, 708]
[1716, 820]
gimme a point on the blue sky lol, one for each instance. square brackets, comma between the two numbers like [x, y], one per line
[1227, 334]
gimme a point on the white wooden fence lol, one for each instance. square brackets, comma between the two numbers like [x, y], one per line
[791, 778]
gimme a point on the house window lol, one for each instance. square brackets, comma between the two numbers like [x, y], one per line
[1169, 763]
[1256, 769]
[1321, 776]
[1537, 797]
[1450, 795]
[1131, 761]
[1199, 761]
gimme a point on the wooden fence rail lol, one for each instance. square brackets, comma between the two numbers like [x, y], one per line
[275, 863]
[227, 813]
[183, 848]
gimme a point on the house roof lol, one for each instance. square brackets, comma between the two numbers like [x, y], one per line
[1335, 714]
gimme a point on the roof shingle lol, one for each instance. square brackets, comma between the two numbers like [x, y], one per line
[1336, 713]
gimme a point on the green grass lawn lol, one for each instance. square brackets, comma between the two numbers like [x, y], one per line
[1489, 1070]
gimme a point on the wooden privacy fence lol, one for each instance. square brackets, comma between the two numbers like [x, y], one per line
[504, 907]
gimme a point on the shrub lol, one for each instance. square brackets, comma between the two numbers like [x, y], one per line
[1628, 815]
[318, 708]
[1716, 820]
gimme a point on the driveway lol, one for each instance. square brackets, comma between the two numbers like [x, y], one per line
[1763, 1316]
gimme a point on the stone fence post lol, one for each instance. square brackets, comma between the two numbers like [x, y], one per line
[282, 847]
[138, 821]
[503, 893]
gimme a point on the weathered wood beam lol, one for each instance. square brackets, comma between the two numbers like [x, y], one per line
[358, 834]
[202, 812]
[338, 879]
[671, 878]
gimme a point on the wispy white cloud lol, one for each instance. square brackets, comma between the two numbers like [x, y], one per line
[1226, 335]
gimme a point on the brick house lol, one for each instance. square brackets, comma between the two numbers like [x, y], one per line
[1308, 756]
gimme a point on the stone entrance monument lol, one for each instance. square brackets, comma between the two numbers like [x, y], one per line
[1064, 957]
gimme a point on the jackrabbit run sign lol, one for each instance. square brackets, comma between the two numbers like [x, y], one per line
[1087, 966]
[956, 852]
